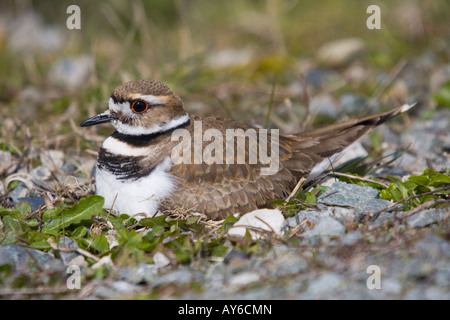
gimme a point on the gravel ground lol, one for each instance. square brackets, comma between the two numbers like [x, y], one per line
[336, 257]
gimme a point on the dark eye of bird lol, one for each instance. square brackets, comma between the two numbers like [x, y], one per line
[139, 106]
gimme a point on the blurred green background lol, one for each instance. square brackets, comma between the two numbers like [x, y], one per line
[241, 59]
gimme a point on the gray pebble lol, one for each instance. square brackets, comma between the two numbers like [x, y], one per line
[324, 286]
[179, 277]
[363, 199]
[326, 227]
[143, 273]
[28, 260]
[35, 202]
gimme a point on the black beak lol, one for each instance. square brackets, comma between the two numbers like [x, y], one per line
[100, 118]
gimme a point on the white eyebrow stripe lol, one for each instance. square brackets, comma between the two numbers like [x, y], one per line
[151, 99]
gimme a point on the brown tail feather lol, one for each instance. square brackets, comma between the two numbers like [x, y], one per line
[325, 142]
[370, 122]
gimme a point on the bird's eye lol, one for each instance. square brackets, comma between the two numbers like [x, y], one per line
[139, 106]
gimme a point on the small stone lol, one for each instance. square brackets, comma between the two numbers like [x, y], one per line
[19, 192]
[67, 243]
[326, 227]
[215, 274]
[340, 52]
[372, 205]
[318, 78]
[236, 261]
[161, 260]
[363, 199]
[227, 58]
[71, 72]
[179, 277]
[25, 259]
[105, 292]
[349, 154]
[426, 217]
[323, 286]
[350, 103]
[311, 216]
[6, 162]
[439, 78]
[123, 287]
[420, 141]
[35, 202]
[391, 286]
[28, 34]
[52, 159]
[286, 264]
[351, 238]
[270, 220]
[436, 293]
[324, 105]
[244, 279]
[41, 173]
[346, 194]
[79, 261]
[342, 214]
[143, 273]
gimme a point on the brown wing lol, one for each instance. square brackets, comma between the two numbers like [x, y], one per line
[219, 190]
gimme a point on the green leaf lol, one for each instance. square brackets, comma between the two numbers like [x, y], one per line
[310, 198]
[181, 256]
[421, 189]
[396, 194]
[442, 97]
[401, 187]
[228, 223]
[192, 220]
[219, 250]
[157, 230]
[11, 228]
[49, 214]
[84, 210]
[376, 139]
[173, 228]
[41, 244]
[436, 178]
[24, 208]
[100, 244]
[277, 203]
[30, 222]
[11, 224]
[11, 213]
[151, 222]
[385, 194]
[420, 180]
[79, 232]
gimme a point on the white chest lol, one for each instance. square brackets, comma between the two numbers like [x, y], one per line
[139, 196]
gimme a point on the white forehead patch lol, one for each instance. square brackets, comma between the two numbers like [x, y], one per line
[123, 107]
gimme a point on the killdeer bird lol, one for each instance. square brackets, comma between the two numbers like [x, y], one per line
[136, 171]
